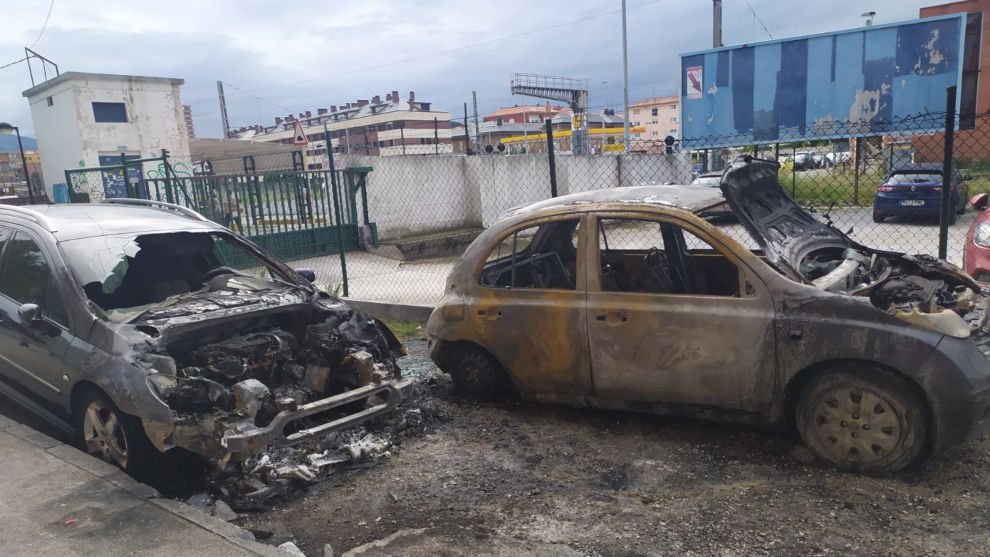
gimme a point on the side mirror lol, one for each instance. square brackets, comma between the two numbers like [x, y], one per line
[30, 314]
[307, 274]
[979, 201]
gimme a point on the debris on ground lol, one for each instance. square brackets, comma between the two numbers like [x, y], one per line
[292, 549]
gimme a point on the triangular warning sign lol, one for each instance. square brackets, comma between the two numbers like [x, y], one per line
[298, 135]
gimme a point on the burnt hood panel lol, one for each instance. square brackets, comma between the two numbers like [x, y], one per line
[780, 226]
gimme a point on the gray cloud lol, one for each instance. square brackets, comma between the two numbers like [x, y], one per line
[309, 54]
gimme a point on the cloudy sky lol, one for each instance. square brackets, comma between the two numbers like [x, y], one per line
[277, 58]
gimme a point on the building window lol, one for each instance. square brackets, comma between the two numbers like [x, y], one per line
[655, 134]
[673, 120]
[391, 143]
[110, 112]
[673, 107]
[636, 111]
[653, 112]
[49, 101]
[673, 130]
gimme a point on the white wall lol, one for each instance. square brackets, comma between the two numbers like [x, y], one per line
[419, 195]
[68, 133]
[59, 142]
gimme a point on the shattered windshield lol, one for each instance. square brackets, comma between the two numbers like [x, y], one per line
[127, 275]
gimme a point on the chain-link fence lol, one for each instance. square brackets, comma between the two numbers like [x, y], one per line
[404, 220]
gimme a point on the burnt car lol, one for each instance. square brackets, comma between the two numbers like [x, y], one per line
[142, 327]
[626, 298]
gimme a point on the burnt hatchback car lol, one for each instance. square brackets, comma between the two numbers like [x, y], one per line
[143, 327]
[626, 298]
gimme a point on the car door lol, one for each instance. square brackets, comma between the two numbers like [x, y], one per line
[675, 317]
[31, 353]
[529, 310]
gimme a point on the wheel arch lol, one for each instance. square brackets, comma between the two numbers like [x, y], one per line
[450, 347]
[796, 385]
[78, 390]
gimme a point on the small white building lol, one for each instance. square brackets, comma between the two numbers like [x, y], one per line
[88, 120]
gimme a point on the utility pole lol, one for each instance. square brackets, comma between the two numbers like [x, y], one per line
[625, 81]
[223, 111]
[477, 138]
[716, 23]
[467, 133]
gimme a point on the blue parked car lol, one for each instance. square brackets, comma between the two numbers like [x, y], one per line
[916, 190]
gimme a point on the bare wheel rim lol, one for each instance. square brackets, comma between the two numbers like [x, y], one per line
[856, 425]
[475, 372]
[103, 433]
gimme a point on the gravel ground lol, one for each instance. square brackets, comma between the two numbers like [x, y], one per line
[514, 478]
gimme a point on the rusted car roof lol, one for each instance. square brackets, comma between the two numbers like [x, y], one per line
[688, 198]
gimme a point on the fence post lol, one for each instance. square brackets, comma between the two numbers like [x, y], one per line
[336, 212]
[793, 171]
[169, 195]
[947, 210]
[553, 165]
[857, 156]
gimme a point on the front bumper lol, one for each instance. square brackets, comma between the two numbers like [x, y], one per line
[224, 440]
[247, 438]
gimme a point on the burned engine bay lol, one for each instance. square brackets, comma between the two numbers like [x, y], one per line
[261, 380]
[918, 289]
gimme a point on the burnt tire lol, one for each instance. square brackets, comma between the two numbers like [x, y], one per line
[103, 431]
[863, 419]
[475, 373]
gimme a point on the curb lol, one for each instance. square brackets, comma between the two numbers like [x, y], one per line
[389, 310]
[115, 476]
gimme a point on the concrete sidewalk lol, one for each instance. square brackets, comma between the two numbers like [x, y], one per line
[57, 500]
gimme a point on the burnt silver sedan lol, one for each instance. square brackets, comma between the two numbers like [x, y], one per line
[626, 298]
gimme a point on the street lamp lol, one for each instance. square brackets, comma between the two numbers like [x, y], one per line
[5, 129]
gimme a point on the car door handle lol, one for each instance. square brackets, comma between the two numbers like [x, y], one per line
[612, 318]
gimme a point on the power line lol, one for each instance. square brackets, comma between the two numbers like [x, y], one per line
[273, 103]
[758, 19]
[18, 61]
[44, 25]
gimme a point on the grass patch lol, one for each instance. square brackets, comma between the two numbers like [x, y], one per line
[406, 329]
[821, 188]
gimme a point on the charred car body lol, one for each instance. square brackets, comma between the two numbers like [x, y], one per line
[130, 323]
[626, 298]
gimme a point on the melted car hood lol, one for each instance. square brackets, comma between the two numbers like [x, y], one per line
[784, 230]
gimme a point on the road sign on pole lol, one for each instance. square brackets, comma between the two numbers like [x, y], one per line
[298, 135]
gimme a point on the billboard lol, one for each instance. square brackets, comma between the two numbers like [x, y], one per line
[856, 82]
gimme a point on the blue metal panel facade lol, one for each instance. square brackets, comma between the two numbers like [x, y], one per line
[857, 82]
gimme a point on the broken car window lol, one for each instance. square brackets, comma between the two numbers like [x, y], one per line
[661, 258]
[127, 273]
[543, 256]
[26, 277]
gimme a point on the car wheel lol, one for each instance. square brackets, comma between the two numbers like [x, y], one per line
[877, 217]
[952, 218]
[475, 373]
[862, 419]
[105, 432]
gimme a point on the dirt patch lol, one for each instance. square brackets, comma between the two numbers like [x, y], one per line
[512, 477]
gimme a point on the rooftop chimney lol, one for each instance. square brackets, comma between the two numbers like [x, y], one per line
[278, 121]
[395, 96]
[376, 100]
[321, 111]
[412, 96]
[309, 114]
[362, 102]
[333, 108]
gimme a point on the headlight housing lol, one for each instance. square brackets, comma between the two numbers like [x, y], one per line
[981, 236]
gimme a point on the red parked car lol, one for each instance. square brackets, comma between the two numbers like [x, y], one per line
[976, 253]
